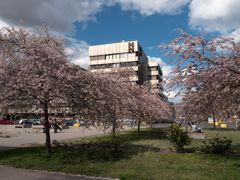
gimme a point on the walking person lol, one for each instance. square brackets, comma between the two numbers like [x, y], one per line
[56, 126]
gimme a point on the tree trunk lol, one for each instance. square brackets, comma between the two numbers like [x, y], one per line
[114, 124]
[214, 121]
[152, 123]
[139, 124]
[114, 127]
[46, 125]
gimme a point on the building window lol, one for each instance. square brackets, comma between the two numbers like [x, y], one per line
[123, 55]
[153, 68]
[95, 58]
[128, 64]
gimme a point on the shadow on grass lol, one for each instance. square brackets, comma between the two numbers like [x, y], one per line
[97, 149]
[76, 154]
[157, 133]
[130, 136]
[109, 148]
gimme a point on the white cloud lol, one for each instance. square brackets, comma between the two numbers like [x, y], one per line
[166, 69]
[3, 24]
[235, 35]
[78, 52]
[211, 15]
[215, 15]
[58, 14]
[150, 7]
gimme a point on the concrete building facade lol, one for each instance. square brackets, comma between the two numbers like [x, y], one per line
[103, 58]
[123, 54]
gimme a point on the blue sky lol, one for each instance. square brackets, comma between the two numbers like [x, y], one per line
[114, 25]
[81, 23]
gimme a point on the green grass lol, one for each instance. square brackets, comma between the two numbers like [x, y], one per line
[145, 155]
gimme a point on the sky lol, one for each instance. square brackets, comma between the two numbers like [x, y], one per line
[81, 23]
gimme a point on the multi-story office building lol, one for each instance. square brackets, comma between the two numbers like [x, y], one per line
[103, 58]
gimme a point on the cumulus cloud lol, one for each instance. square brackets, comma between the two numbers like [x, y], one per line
[215, 15]
[3, 24]
[59, 15]
[166, 69]
[235, 35]
[150, 7]
[78, 52]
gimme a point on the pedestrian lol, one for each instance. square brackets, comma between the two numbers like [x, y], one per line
[193, 127]
[56, 126]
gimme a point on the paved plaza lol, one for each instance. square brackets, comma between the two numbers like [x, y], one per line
[11, 137]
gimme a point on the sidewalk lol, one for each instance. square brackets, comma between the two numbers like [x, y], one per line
[11, 137]
[9, 173]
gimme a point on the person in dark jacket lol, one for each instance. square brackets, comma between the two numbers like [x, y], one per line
[56, 126]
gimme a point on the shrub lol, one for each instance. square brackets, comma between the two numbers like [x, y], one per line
[217, 145]
[179, 137]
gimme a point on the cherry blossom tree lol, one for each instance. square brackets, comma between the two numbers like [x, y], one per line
[147, 107]
[207, 74]
[129, 101]
[110, 99]
[34, 71]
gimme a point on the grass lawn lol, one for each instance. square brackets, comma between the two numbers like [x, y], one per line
[147, 155]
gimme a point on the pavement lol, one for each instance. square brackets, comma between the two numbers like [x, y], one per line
[11, 137]
[10, 173]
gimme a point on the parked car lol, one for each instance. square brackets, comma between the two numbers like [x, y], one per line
[6, 121]
[36, 121]
[26, 122]
[69, 122]
[81, 123]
